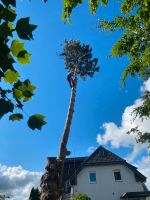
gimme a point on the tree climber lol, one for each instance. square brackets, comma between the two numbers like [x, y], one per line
[70, 79]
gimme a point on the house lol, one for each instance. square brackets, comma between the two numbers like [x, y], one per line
[104, 176]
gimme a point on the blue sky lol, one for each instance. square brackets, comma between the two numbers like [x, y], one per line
[100, 100]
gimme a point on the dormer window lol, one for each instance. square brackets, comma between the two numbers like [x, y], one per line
[92, 177]
[117, 175]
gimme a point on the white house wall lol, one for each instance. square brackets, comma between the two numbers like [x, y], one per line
[106, 188]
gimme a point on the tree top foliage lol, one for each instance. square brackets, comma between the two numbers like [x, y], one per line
[13, 51]
[69, 5]
[79, 56]
[135, 41]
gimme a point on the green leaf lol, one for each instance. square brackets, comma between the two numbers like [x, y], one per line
[24, 57]
[94, 5]
[11, 76]
[7, 14]
[23, 90]
[16, 117]
[104, 2]
[6, 29]
[9, 2]
[6, 60]
[67, 9]
[18, 50]
[24, 29]
[36, 121]
[17, 93]
[16, 47]
[5, 107]
[115, 49]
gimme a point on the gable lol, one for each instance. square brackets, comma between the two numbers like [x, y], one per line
[102, 155]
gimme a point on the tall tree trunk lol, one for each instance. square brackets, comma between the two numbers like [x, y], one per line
[63, 151]
[52, 181]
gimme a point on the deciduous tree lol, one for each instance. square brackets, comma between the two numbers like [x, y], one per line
[135, 44]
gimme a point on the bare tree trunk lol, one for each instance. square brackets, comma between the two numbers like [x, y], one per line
[52, 181]
[63, 152]
[63, 145]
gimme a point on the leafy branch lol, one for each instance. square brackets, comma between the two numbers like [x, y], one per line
[13, 51]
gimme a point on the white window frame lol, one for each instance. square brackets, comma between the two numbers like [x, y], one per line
[92, 182]
[117, 170]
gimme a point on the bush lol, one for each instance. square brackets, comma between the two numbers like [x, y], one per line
[81, 196]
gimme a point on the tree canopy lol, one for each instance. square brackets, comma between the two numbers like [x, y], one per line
[12, 51]
[134, 22]
[79, 57]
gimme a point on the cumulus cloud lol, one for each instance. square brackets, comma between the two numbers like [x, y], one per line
[116, 136]
[144, 167]
[17, 182]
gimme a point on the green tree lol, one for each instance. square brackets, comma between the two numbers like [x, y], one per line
[81, 196]
[80, 63]
[134, 22]
[12, 51]
[69, 5]
[34, 194]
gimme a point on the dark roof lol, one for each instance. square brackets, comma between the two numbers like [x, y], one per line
[135, 194]
[103, 156]
[99, 157]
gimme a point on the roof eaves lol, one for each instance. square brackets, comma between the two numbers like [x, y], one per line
[138, 175]
[135, 194]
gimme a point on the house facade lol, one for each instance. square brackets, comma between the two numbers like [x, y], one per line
[104, 176]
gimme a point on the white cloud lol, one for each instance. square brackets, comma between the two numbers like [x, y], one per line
[117, 136]
[91, 149]
[144, 167]
[17, 182]
[146, 86]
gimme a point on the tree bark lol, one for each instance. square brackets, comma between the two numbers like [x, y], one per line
[52, 181]
[63, 146]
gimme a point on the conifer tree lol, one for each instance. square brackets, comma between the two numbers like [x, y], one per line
[80, 63]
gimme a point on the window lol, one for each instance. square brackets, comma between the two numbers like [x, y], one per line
[101, 153]
[92, 177]
[117, 175]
